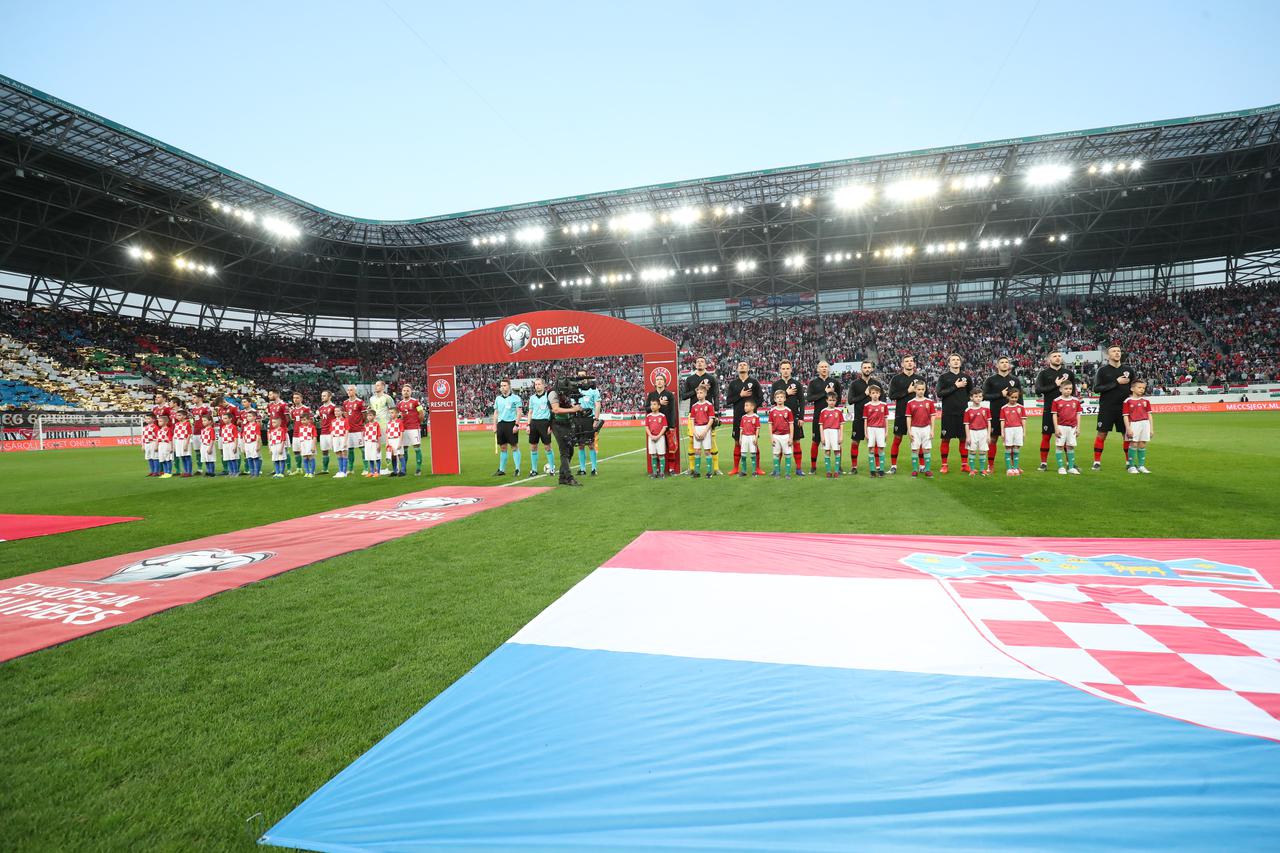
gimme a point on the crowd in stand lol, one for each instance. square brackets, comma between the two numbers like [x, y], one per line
[1195, 338]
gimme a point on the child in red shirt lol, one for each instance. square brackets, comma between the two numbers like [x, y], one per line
[655, 432]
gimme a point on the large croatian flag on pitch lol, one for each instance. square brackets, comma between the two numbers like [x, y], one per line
[812, 692]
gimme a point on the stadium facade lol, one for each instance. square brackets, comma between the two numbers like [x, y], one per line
[98, 216]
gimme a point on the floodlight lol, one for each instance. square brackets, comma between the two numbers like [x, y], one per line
[853, 197]
[1051, 173]
[912, 189]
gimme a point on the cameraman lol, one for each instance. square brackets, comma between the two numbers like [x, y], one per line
[564, 408]
[588, 423]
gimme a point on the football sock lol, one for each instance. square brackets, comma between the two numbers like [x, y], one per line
[915, 461]
[1071, 457]
[1098, 444]
[655, 468]
[324, 464]
[715, 456]
[1061, 462]
[351, 457]
[1130, 457]
[798, 452]
[1044, 449]
[697, 464]
[964, 453]
[853, 454]
[502, 460]
[1017, 453]
[991, 454]
[946, 450]
[777, 464]
[813, 453]
[737, 456]
[1127, 445]
[595, 456]
[417, 457]
[927, 460]
[297, 457]
[787, 463]
[551, 457]
[342, 464]
[582, 458]
[893, 451]
[838, 467]
[151, 465]
[515, 455]
[827, 462]
[981, 462]
[1142, 457]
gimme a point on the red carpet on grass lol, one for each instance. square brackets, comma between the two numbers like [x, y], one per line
[26, 526]
[45, 608]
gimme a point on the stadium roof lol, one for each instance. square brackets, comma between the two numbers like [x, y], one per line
[86, 200]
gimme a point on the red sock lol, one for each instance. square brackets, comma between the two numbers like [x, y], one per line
[1098, 444]
[921, 455]
[991, 454]
[946, 450]
[893, 451]
[798, 452]
[853, 454]
[964, 452]
[813, 455]
[1127, 442]
[1044, 449]
[673, 465]
[737, 456]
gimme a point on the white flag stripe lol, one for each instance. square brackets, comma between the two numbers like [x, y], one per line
[850, 623]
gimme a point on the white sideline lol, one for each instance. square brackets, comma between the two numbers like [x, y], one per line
[538, 476]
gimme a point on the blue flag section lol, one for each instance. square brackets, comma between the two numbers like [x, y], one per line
[851, 693]
[553, 748]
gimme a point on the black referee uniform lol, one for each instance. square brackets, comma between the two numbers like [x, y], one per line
[993, 392]
[1111, 395]
[900, 393]
[955, 398]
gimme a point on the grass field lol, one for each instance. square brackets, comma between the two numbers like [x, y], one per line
[172, 732]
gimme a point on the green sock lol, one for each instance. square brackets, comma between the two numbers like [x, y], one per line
[1062, 463]
[928, 460]
[1016, 454]
[417, 456]
[1142, 457]
[326, 464]
[1008, 458]
[982, 462]
[1071, 457]
[839, 465]
[915, 461]
[828, 463]
[777, 464]
[786, 461]
[697, 464]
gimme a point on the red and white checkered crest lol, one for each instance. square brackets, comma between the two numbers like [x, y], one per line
[1206, 654]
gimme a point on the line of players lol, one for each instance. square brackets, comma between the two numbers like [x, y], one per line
[974, 416]
[173, 437]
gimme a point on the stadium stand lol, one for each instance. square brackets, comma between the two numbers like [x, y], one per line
[65, 359]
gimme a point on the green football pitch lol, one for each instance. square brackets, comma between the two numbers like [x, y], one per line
[199, 727]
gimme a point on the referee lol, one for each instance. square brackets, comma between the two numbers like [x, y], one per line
[899, 393]
[1111, 384]
[858, 398]
[995, 390]
[742, 388]
[819, 387]
[1049, 387]
[790, 386]
[689, 391]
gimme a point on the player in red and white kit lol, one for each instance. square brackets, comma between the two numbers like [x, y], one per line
[325, 414]
[749, 439]
[150, 445]
[208, 444]
[353, 406]
[305, 437]
[371, 435]
[251, 443]
[395, 443]
[920, 411]
[1066, 427]
[977, 433]
[296, 413]
[278, 408]
[1013, 419]
[163, 406]
[701, 416]
[781, 427]
[831, 422]
[197, 410]
[1138, 426]
[164, 446]
[655, 436]
[875, 412]
[278, 445]
[411, 414]
[182, 442]
[229, 443]
[338, 435]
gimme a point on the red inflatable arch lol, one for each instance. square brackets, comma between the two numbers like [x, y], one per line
[536, 336]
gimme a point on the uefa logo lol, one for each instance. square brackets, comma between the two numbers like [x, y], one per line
[517, 336]
[440, 388]
[660, 372]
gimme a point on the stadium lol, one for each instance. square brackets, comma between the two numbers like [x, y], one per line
[339, 659]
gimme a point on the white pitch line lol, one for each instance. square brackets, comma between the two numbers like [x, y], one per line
[606, 459]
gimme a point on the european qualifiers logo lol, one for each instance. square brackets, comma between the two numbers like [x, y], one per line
[516, 336]
[413, 509]
[184, 564]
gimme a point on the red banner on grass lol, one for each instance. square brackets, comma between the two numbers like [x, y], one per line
[26, 526]
[50, 607]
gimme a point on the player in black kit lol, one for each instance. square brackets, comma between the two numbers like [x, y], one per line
[1049, 387]
[953, 392]
[819, 387]
[741, 388]
[858, 398]
[995, 390]
[789, 385]
[1111, 384]
[900, 391]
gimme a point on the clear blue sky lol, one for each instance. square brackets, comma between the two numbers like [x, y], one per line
[342, 104]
